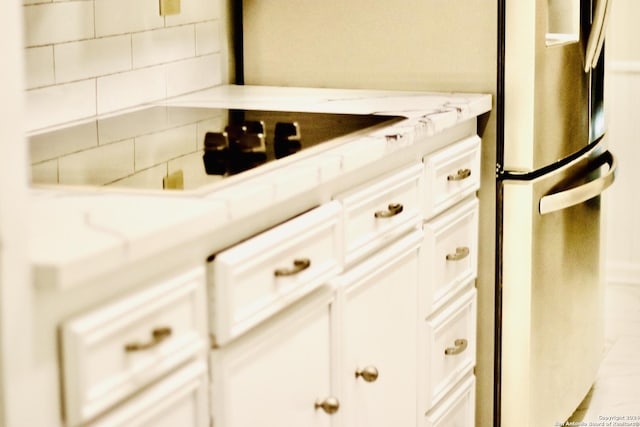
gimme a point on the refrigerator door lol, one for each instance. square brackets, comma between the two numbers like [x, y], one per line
[546, 90]
[552, 295]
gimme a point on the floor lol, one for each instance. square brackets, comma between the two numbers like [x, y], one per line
[615, 392]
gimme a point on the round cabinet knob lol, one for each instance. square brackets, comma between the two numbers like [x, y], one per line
[369, 374]
[330, 405]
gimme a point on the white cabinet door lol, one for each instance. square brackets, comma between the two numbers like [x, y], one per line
[273, 376]
[379, 334]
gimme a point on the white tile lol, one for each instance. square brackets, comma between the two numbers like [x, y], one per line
[193, 171]
[157, 148]
[208, 37]
[58, 22]
[45, 172]
[149, 179]
[193, 74]
[99, 165]
[59, 104]
[51, 145]
[92, 58]
[39, 66]
[163, 45]
[131, 88]
[192, 11]
[126, 16]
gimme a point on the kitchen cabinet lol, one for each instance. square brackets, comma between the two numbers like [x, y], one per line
[378, 331]
[317, 316]
[448, 308]
[122, 348]
[280, 373]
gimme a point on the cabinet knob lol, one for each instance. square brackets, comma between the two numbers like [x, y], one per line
[330, 405]
[392, 210]
[460, 175]
[299, 264]
[461, 253]
[369, 374]
[460, 345]
[157, 336]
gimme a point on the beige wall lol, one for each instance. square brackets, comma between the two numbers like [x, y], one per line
[623, 105]
[624, 31]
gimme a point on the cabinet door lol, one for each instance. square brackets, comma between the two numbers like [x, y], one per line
[379, 300]
[274, 376]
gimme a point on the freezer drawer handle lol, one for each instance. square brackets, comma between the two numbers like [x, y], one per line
[461, 253]
[298, 265]
[460, 346]
[392, 210]
[460, 175]
[565, 199]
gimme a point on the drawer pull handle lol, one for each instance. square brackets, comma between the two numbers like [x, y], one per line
[157, 336]
[460, 175]
[392, 210]
[330, 405]
[298, 265]
[461, 253]
[460, 346]
[369, 374]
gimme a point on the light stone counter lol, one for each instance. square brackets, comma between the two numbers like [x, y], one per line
[77, 234]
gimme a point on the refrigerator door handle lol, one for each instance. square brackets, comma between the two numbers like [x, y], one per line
[596, 36]
[567, 198]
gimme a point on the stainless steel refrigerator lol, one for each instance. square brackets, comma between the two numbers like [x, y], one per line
[544, 164]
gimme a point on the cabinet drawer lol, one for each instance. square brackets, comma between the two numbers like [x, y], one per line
[178, 400]
[450, 347]
[380, 211]
[258, 277]
[457, 409]
[115, 350]
[450, 253]
[450, 175]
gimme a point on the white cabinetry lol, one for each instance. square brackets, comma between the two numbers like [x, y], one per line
[124, 347]
[360, 312]
[448, 304]
[277, 373]
[378, 330]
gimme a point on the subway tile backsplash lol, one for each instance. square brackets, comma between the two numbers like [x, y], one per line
[88, 57]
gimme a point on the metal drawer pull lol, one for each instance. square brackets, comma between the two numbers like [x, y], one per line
[460, 175]
[299, 264]
[330, 405]
[157, 336]
[460, 346]
[461, 253]
[369, 374]
[392, 210]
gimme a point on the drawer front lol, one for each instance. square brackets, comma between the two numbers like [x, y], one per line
[380, 211]
[114, 351]
[451, 174]
[450, 252]
[178, 400]
[260, 276]
[457, 409]
[450, 347]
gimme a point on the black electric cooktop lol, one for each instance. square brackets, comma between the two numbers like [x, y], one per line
[173, 147]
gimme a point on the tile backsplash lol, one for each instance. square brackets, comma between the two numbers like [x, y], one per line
[89, 57]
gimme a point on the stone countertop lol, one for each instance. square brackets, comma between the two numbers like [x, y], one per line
[77, 234]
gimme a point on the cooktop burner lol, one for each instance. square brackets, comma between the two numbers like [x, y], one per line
[171, 147]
